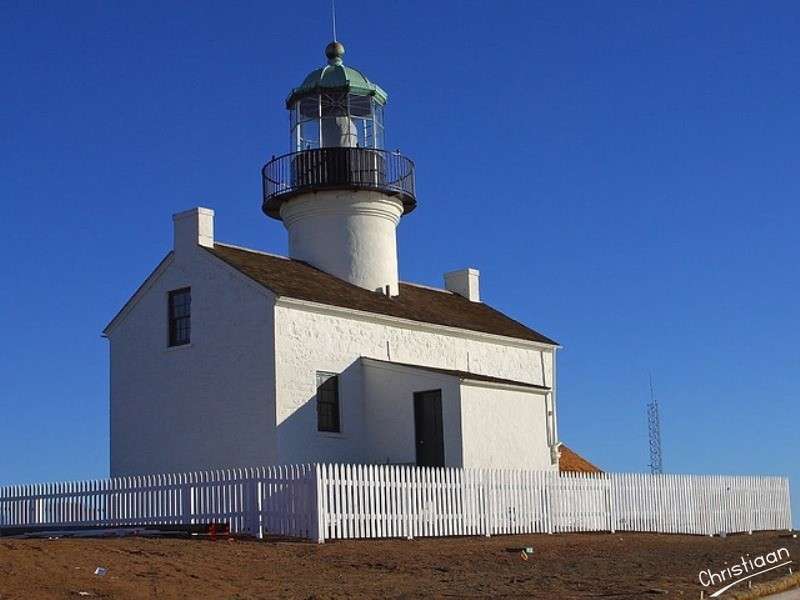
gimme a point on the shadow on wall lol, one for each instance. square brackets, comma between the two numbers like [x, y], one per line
[298, 438]
[376, 409]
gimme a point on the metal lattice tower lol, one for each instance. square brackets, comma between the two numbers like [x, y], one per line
[654, 430]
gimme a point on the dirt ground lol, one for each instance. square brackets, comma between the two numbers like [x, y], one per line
[562, 566]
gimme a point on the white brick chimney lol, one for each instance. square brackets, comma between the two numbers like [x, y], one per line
[464, 282]
[193, 227]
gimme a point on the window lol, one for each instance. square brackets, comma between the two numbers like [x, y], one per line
[336, 119]
[328, 402]
[179, 315]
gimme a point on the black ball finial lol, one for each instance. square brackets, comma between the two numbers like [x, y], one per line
[334, 51]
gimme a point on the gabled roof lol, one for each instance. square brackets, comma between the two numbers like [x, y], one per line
[571, 461]
[296, 279]
[462, 374]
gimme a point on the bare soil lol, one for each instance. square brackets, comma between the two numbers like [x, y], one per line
[561, 567]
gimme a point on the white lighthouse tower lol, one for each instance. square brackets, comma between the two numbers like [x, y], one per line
[339, 194]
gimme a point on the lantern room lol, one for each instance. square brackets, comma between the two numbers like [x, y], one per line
[336, 107]
[336, 140]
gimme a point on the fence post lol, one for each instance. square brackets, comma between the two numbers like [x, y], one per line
[548, 502]
[488, 494]
[32, 505]
[186, 501]
[251, 503]
[318, 490]
[483, 503]
[610, 492]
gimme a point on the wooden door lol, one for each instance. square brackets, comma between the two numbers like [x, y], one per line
[428, 430]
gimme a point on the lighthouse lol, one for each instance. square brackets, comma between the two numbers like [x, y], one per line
[338, 191]
[228, 356]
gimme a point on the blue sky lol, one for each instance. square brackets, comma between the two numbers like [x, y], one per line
[624, 175]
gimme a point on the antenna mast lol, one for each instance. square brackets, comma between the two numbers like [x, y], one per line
[654, 430]
[333, 18]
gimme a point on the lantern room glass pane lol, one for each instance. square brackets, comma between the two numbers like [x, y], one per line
[360, 106]
[304, 124]
[333, 104]
[308, 135]
[378, 119]
[365, 129]
[308, 108]
[336, 119]
[338, 130]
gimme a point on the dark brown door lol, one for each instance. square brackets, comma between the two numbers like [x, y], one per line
[428, 428]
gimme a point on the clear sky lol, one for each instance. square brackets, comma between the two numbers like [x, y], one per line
[625, 176]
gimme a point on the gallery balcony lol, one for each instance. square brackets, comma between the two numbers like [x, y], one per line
[337, 168]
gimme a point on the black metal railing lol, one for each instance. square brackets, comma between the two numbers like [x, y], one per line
[337, 168]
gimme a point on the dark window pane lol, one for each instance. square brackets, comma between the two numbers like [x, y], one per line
[327, 402]
[179, 316]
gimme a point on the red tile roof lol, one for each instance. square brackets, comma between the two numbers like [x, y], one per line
[572, 461]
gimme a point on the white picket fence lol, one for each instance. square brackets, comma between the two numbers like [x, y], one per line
[398, 501]
[375, 501]
[278, 500]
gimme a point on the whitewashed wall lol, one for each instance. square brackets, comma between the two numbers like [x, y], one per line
[389, 412]
[504, 428]
[206, 405]
[349, 234]
[312, 338]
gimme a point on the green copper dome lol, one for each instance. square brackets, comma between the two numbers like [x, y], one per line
[336, 76]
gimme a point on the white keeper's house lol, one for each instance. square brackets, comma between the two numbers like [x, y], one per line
[230, 357]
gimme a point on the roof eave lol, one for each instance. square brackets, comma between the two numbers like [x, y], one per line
[375, 91]
[149, 280]
[318, 305]
[476, 379]
[293, 302]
